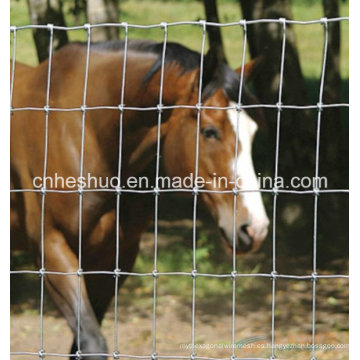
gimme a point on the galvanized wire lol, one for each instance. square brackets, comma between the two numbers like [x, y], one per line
[160, 107]
[118, 193]
[275, 190]
[235, 171]
[80, 190]
[324, 21]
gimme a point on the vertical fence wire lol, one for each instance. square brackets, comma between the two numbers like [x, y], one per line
[13, 60]
[316, 189]
[118, 193]
[282, 22]
[235, 178]
[195, 190]
[80, 190]
[43, 194]
[156, 190]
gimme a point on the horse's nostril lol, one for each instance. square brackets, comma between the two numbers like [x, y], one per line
[244, 228]
[245, 240]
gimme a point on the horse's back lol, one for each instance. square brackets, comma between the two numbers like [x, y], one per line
[66, 91]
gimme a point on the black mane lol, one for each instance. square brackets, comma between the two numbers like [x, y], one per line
[222, 77]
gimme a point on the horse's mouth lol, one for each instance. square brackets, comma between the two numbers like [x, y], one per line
[239, 250]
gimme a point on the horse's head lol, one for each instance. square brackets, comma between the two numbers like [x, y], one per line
[217, 159]
[219, 167]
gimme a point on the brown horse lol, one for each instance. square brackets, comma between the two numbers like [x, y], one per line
[177, 133]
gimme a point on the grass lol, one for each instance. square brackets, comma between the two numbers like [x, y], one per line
[178, 256]
[309, 38]
[174, 255]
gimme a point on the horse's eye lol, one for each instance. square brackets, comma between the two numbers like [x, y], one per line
[210, 132]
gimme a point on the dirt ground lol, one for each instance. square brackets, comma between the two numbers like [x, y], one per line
[293, 319]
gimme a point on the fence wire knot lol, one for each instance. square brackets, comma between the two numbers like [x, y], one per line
[42, 272]
[274, 275]
[117, 272]
[314, 276]
[46, 109]
[319, 106]
[116, 355]
[79, 272]
[283, 22]
[238, 107]
[233, 274]
[125, 25]
[83, 108]
[279, 106]
[194, 273]
[275, 191]
[43, 190]
[50, 27]
[203, 24]
[316, 191]
[324, 21]
[87, 28]
[78, 354]
[12, 28]
[153, 356]
[159, 108]
[121, 107]
[41, 354]
[198, 106]
[155, 273]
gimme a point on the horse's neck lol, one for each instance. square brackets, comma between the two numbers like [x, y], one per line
[135, 125]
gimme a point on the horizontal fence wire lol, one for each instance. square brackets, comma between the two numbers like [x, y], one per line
[185, 190]
[160, 107]
[172, 107]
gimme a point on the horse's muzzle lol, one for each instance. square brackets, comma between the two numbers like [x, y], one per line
[248, 238]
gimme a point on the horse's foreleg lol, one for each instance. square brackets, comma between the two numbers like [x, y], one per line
[101, 288]
[64, 290]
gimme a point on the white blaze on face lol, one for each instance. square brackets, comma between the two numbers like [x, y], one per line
[245, 167]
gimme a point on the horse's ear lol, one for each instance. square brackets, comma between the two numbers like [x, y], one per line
[146, 150]
[252, 68]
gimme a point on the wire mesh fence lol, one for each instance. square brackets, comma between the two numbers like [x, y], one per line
[196, 192]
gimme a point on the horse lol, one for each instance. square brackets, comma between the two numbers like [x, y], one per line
[96, 129]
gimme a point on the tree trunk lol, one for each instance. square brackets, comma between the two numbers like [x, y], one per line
[47, 12]
[103, 11]
[298, 127]
[297, 132]
[334, 133]
[332, 85]
[215, 39]
[265, 39]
